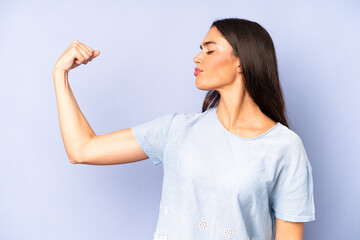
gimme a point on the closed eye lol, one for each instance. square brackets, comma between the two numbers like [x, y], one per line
[209, 52]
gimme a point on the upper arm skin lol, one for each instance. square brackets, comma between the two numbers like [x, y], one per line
[288, 230]
[118, 147]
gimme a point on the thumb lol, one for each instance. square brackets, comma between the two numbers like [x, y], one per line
[96, 53]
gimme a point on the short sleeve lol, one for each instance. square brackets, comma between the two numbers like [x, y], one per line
[152, 136]
[292, 197]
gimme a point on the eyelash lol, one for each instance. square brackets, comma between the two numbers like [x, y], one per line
[209, 52]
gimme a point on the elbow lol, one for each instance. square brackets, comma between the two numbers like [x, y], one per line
[78, 156]
[73, 161]
[79, 153]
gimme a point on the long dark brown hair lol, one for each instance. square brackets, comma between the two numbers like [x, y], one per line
[254, 47]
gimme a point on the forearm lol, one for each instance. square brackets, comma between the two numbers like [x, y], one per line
[75, 129]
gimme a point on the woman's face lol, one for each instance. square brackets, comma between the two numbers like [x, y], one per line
[219, 66]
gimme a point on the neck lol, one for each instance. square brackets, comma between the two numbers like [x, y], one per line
[240, 112]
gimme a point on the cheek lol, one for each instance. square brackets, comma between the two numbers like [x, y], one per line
[220, 61]
[223, 67]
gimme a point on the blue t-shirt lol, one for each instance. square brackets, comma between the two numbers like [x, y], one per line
[218, 185]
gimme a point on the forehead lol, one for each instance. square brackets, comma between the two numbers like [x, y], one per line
[214, 35]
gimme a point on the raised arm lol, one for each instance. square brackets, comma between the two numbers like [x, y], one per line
[81, 143]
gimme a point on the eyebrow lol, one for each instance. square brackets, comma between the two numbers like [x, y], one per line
[206, 43]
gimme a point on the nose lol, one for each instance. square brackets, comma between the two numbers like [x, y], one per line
[197, 58]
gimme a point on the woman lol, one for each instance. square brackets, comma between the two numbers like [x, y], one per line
[234, 171]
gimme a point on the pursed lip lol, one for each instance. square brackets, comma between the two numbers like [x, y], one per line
[197, 71]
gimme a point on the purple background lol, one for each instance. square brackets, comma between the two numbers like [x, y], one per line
[146, 69]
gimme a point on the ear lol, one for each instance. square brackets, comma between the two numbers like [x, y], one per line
[239, 69]
[238, 65]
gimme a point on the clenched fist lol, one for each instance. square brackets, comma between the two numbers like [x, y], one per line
[76, 54]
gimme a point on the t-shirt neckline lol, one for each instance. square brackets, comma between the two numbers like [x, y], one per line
[233, 135]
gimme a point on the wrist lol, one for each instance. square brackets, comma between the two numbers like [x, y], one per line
[59, 71]
[60, 75]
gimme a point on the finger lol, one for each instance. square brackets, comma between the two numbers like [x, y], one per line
[85, 53]
[79, 58]
[88, 53]
[77, 55]
[96, 53]
[93, 54]
[90, 50]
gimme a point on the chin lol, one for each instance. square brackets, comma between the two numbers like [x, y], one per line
[199, 85]
[202, 85]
